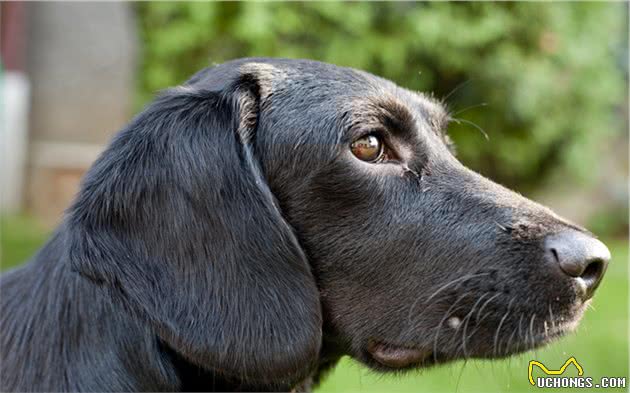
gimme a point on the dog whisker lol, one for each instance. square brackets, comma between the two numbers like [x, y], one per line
[477, 319]
[551, 318]
[467, 320]
[458, 281]
[469, 108]
[516, 332]
[456, 88]
[483, 132]
[461, 372]
[531, 329]
[466, 277]
[546, 326]
[502, 227]
[496, 335]
[446, 316]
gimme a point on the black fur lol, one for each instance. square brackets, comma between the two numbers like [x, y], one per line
[227, 239]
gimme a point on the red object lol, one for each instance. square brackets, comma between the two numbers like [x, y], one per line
[13, 35]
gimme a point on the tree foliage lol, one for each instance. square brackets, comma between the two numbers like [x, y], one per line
[542, 80]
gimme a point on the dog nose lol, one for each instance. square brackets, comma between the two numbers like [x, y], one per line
[580, 256]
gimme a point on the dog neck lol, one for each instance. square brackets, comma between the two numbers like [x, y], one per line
[90, 345]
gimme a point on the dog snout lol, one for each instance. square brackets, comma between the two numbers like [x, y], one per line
[579, 256]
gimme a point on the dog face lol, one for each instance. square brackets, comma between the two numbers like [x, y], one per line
[267, 202]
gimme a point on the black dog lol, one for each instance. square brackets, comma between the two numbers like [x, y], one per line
[269, 216]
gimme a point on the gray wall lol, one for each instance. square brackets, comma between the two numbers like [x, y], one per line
[81, 59]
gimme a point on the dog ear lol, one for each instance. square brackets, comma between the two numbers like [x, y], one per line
[176, 220]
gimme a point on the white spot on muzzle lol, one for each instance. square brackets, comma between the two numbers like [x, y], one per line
[454, 322]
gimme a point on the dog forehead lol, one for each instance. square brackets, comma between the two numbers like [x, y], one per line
[355, 89]
[267, 75]
[306, 77]
[314, 85]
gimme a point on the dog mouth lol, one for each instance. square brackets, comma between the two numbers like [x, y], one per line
[389, 355]
[398, 356]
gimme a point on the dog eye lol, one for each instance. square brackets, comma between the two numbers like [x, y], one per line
[368, 148]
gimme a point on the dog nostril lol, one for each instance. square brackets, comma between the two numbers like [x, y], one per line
[554, 252]
[579, 256]
[594, 270]
[592, 276]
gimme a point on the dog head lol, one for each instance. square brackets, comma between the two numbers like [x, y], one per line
[267, 201]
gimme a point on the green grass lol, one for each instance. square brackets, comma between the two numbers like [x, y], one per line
[600, 345]
[20, 237]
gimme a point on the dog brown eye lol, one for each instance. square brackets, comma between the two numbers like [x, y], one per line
[368, 148]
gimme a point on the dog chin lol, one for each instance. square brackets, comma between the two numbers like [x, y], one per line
[384, 356]
[550, 332]
[390, 357]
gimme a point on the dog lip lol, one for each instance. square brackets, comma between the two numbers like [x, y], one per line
[397, 356]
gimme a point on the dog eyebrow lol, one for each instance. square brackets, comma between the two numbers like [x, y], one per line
[396, 117]
[382, 112]
[434, 112]
[400, 119]
[399, 115]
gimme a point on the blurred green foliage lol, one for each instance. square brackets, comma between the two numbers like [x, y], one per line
[543, 80]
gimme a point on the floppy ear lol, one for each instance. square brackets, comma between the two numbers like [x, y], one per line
[176, 220]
